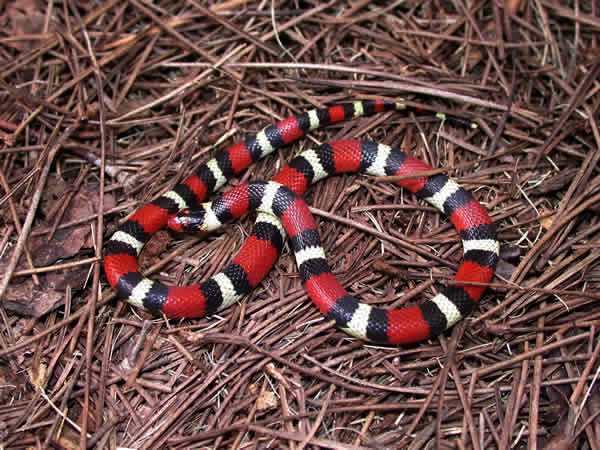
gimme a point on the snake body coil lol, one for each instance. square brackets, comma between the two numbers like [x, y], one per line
[280, 199]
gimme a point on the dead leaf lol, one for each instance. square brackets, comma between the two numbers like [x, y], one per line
[64, 244]
[67, 242]
[267, 400]
[563, 437]
[68, 439]
[510, 252]
[505, 269]
[558, 404]
[74, 278]
[55, 189]
[9, 386]
[556, 182]
[561, 443]
[513, 6]
[3, 428]
[22, 17]
[547, 222]
[37, 376]
[26, 299]
[157, 244]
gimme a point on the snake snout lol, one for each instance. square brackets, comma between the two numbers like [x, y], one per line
[174, 224]
[183, 221]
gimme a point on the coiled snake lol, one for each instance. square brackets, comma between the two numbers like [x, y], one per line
[282, 211]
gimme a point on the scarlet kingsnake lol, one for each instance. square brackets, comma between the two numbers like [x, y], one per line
[281, 198]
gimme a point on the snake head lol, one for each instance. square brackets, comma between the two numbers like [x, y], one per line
[186, 221]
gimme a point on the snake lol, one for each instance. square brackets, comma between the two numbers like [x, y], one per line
[282, 211]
